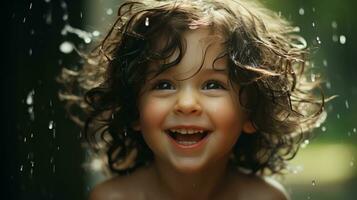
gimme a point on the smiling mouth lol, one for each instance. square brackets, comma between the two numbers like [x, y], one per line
[187, 139]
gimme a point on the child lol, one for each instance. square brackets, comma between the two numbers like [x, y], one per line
[196, 100]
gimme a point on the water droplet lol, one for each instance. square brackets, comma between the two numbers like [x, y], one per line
[54, 133]
[304, 144]
[81, 15]
[313, 9]
[31, 135]
[338, 116]
[95, 33]
[31, 113]
[32, 164]
[313, 182]
[87, 40]
[323, 128]
[96, 164]
[342, 39]
[301, 11]
[313, 77]
[313, 24]
[146, 21]
[30, 6]
[328, 85]
[347, 104]
[109, 11]
[334, 24]
[64, 5]
[29, 99]
[30, 52]
[335, 38]
[54, 168]
[324, 62]
[65, 17]
[50, 125]
[66, 47]
[25, 139]
[24, 20]
[21, 168]
[58, 148]
[354, 130]
[318, 40]
[32, 32]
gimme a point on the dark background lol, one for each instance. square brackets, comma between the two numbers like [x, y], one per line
[43, 162]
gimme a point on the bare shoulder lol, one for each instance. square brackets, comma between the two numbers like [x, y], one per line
[120, 187]
[260, 188]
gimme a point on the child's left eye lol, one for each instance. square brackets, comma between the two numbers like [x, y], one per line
[213, 85]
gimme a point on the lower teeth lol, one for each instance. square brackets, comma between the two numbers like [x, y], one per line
[186, 142]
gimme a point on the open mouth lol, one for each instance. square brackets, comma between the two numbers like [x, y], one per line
[187, 139]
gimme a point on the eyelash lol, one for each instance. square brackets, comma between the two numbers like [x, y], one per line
[166, 83]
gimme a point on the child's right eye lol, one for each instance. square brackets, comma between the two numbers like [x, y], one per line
[163, 85]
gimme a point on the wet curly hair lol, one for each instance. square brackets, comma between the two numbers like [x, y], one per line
[267, 59]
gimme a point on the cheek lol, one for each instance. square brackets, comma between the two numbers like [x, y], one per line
[227, 115]
[152, 113]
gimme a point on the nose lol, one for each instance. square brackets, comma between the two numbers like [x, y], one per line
[188, 103]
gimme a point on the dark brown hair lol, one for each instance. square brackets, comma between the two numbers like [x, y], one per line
[266, 58]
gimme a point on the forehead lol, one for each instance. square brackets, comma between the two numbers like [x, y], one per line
[203, 51]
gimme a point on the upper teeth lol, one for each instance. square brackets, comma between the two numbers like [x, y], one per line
[186, 131]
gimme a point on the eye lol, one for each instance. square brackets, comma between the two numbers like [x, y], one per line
[213, 85]
[163, 85]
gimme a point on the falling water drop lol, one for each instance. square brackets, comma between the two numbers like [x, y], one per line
[301, 11]
[324, 62]
[29, 99]
[24, 20]
[354, 130]
[313, 24]
[95, 33]
[334, 38]
[323, 128]
[30, 6]
[66, 47]
[328, 85]
[347, 104]
[50, 125]
[21, 168]
[313, 182]
[342, 39]
[146, 21]
[30, 52]
[338, 116]
[318, 40]
[25, 139]
[334, 24]
[109, 11]
[65, 17]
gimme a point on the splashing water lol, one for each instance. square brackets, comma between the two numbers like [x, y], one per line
[87, 37]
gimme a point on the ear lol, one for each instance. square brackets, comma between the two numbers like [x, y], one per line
[248, 127]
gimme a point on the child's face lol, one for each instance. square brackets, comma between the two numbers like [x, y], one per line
[204, 102]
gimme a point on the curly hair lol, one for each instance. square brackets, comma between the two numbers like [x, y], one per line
[267, 59]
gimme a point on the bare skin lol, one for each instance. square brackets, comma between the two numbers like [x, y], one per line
[144, 184]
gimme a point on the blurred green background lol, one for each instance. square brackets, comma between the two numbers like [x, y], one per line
[43, 147]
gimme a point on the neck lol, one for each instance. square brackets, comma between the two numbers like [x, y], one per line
[200, 184]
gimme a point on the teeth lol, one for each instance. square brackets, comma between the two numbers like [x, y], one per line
[186, 131]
